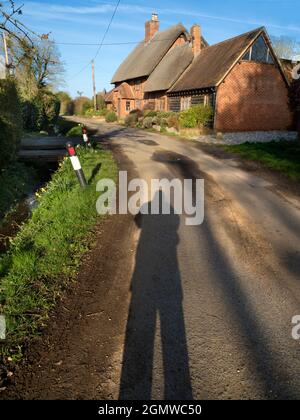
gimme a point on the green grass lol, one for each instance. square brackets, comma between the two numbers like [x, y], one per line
[15, 182]
[283, 156]
[44, 257]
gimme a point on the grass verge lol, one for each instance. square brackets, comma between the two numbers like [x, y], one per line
[283, 156]
[45, 255]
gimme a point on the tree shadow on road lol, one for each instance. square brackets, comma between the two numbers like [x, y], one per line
[156, 302]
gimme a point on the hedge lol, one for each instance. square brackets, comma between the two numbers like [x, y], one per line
[10, 122]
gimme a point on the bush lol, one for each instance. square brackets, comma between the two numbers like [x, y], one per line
[81, 105]
[101, 104]
[150, 113]
[137, 112]
[111, 117]
[66, 103]
[187, 119]
[99, 113]
[173, 121]
[75, 131]
[10, 122]
[64, 126]
[42, 112]
[148, 122]
[131, 120]
[196, 116]
[86, 106]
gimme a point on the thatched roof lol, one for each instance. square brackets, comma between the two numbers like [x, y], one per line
[212, 64]
[146, 56]
[124, 90]
[170, 68]
[108, 97]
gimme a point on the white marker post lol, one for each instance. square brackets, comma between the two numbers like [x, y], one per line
[76, 164]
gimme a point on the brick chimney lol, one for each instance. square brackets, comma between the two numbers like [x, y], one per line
[196, 38]
[151, 27]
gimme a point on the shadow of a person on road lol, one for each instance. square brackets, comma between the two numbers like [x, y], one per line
[156, 296]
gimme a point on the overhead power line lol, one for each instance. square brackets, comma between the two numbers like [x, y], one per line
[107, 29]
[93, 44]
[102, 41]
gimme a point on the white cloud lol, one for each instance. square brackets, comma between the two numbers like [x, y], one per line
[62, 12]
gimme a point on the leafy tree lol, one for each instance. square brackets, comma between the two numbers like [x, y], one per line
[82, 104]
[100, 101]
[66, 103]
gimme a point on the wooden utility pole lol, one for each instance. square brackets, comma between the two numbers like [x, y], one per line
[94, 86]
[6, 53]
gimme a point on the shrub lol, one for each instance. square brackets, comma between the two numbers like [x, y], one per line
[148, 122]
[199, 115]
[42, 112]
[100, 101]
[173, 121]
[203, 114]
[111, 117]
[86, 106]
[131, 120]
[66, 103]
[82, 104]
[10, 122]
[99, 113]
[137, 112]
[187, 119]
[75, 131]
[150, 113]
[64, 126]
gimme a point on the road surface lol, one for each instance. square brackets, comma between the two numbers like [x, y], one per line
[169, 311]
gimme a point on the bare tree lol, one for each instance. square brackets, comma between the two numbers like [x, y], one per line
[37, 65]
[286, 47]
[11, 25]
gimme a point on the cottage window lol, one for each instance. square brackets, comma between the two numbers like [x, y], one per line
[174, 104]
[185, 103]
[127, 106]
[197, 100]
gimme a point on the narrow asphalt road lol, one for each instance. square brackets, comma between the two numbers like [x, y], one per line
[201, 312]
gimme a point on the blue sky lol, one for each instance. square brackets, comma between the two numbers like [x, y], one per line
[85, 21]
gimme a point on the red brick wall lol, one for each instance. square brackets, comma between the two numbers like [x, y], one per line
[253, 97]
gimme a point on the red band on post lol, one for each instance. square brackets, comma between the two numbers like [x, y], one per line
[72, 151]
